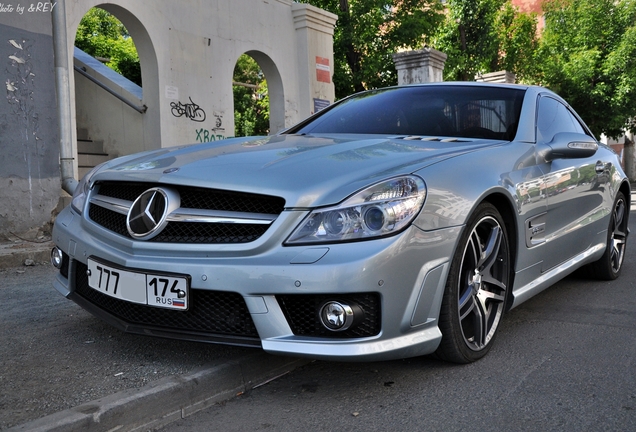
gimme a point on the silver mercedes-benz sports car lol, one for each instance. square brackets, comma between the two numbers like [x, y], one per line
[397, 222]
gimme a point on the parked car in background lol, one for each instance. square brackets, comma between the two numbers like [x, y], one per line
[397, 222]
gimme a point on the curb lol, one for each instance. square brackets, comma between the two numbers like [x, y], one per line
[15, 254]
[168, 399]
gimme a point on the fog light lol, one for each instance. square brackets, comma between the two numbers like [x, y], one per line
[57, 258]
[339, 316]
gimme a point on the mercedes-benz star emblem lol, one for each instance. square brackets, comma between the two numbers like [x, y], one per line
[148, 214]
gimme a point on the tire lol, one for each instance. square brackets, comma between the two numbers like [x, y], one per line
[611, 263]
[476, 289]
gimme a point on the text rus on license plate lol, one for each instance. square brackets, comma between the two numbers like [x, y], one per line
[160, 290]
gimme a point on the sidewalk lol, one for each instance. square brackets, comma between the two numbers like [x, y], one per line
[61, 369]
[168, 399]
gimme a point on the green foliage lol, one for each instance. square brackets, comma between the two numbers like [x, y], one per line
[368, 32]
[469, 38]
[481, 36]
[587, 54]
[517, 42]
[251, 100]
[100, 34]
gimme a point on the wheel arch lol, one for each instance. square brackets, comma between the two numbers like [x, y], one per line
[626, 189]
[507, 211]
[451, 320]
[627, 192]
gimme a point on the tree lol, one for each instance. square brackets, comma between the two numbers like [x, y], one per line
[101, 35]
[469, 38]
[587, 54]
[368, 32]
[517, 42]
[251, 101]
[481, 36]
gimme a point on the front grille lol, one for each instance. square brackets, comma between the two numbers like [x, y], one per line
[182, 232]
[199, 198]
[210, 312]
[191, 198]
[301, 311]
[109, 219]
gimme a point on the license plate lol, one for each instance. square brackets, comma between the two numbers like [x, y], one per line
[160, 290]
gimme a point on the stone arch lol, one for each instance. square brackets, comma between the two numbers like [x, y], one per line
[143, 43]
[149, 135]
[274, 88]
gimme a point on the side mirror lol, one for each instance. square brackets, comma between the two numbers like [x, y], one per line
[569, 145]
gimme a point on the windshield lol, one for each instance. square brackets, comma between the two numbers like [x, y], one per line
[448, 111]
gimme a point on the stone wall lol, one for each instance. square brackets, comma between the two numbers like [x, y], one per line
[29, 143]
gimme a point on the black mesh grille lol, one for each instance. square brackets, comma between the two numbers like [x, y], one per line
[182, 232]
[109, 219]
[196, 232]
[210, 312]
[194, 198]
[200, 198]
[301, 311]
[121, 190]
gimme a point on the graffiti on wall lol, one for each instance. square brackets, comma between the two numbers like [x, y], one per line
[188, 110]
[215, 133]
[195, 113]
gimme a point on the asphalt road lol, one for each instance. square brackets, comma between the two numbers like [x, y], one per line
[563, 361]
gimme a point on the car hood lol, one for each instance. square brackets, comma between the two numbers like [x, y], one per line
[306, 171]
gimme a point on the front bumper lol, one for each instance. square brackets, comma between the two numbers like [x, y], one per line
[401, 277]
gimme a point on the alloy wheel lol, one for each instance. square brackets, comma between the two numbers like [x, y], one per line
[483, 279]
[618, 235]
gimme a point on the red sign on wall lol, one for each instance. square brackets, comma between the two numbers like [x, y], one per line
[323, 71]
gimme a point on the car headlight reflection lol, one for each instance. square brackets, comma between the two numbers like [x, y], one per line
[379, 210]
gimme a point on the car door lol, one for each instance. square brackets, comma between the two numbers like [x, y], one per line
[574, 188]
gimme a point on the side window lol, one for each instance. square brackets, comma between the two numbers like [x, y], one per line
[553, 118]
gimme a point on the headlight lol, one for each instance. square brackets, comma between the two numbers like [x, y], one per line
[81, 191]
[379, 210]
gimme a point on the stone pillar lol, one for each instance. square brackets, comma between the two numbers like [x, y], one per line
[497, 77]
[421, 66]
[314, 36]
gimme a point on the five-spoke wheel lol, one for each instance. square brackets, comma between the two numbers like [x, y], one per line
[611, 263]
[477, 288]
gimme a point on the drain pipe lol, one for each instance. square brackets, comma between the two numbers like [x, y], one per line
[60, 51]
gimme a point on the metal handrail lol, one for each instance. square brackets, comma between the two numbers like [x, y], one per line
[140, 109]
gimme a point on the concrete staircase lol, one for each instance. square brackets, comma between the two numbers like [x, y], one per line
[89, 153]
